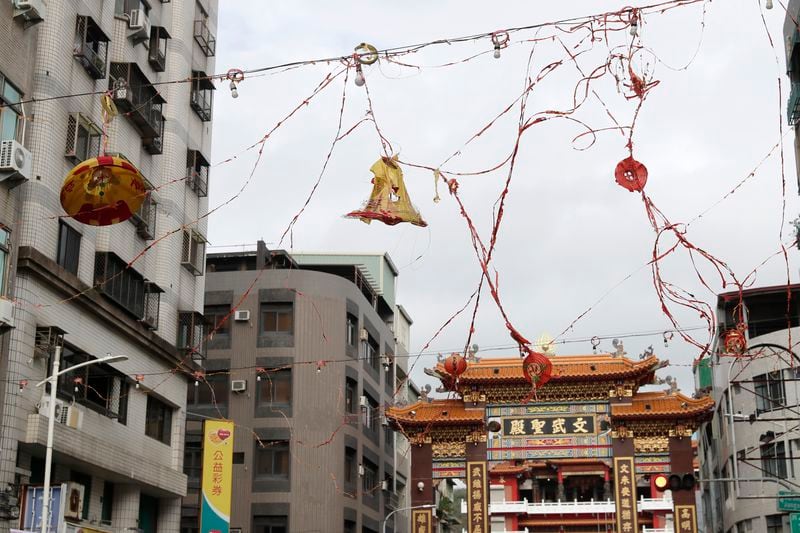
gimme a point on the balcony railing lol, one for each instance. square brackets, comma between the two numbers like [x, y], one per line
[201, 103]
[134, 94]
[94, 62]
[657, 530]
[91, 46]
[571, 507]
[204, 37]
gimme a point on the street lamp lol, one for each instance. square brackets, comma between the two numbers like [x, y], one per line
[426, 506]
[51, 408]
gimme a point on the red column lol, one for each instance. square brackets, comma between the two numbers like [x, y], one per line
[681, 462]
[422, 488]
[477, 488]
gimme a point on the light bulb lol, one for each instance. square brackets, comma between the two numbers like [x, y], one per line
[359, 78]
[196, 383]
[769, 4]
[496, 52]
[234, 92]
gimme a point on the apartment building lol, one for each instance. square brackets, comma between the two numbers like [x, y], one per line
[751, 445]
[118, 439]
[308, 350]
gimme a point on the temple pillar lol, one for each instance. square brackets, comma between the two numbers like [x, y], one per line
[624, 481]
[537, 490]
[422, 489]
[606, 484]
[477, 484]
[560, 496]
[681, 459]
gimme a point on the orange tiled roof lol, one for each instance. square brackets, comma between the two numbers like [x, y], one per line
[565, 368]
[662, 405]
[507, 468]
[440, 411]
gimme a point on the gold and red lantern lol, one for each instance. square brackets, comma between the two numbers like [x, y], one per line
[389, 201]
[102, 191]
[631, 174]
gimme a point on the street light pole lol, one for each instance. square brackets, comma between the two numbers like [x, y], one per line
[51, 413]
[426, 506]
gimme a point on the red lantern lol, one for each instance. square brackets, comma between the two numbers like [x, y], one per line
[537, 368]
[455, 365]
[631, 174]
[735, 342]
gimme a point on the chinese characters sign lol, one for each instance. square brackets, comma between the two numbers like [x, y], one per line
[549, 425]
[215, 511]
[477, 497]
[422, 521]
[625, 490]
[685, 519]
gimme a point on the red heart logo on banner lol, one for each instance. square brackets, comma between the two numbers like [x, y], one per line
[223, 433]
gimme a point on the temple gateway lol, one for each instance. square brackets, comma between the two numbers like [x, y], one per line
[587, 452]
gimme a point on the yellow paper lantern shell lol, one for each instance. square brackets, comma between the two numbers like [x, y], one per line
[102, 191]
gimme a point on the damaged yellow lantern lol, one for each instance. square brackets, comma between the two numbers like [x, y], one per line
[102, 191]
[389, 201]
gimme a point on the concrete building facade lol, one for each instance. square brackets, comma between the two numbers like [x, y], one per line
[751, 446]
[93, 290]
[304, 360]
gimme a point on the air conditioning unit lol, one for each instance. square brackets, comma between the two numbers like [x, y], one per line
[363, 402]
[66, 414]
[385, 484]
[31, 11]
[238, 385]
[137, 19]
[16, 163]
[364, 335]
[6, 312]
[73, 502]
[360, 470]
[242, 315]
[384, 420]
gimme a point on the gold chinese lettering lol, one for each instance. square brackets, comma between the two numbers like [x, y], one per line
[517, 427]
[558, 425]
[579, 425]
[537, 426]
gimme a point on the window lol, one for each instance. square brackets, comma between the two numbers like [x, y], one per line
[275, 388]
[194, 252]
[120, 282]
[270, 524]
[350, 474]
[191, 333]
[371, 353]
[11, 113]
[369, 482]
[388, 436]
[744, 526]
[218, 319]
[349, 526]
[158, 422]
[770, 391]
[272, 459]
[137, 99]
[350, 398]
[370, 414]
[204, 38]
[91, 47]
[106, 511]
[83, 138]
[773, 460]
[158, 48]
[69, 247]
[210, 393]
[775, 523]
[145, 218]
[351, 334]
[197, 172]
[277, 318]
[98, 386]
[202, 95]
[193, 460]
[5, 253]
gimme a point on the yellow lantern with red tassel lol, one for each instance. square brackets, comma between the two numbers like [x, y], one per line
[389, 201]
[103, 191]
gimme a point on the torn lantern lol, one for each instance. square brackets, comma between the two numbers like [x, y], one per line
[389, 201]
[102, 191]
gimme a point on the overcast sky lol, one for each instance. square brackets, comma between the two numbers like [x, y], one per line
[570, 234]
